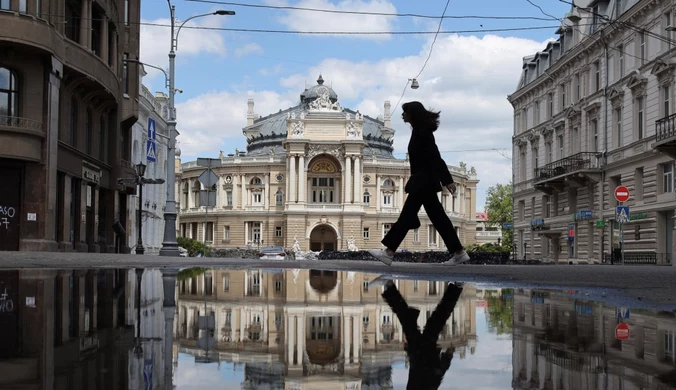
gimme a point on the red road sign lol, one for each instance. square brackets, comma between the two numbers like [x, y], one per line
[622, 194]
[622, 331]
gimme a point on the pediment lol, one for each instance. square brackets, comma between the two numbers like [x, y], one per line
[616, 93]
[593, 106]
[661, 66]
[636, 81]
[572, 112]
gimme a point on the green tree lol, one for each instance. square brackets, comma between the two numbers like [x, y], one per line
[500, 312]
[193, 247]
[189, 273]
[499, 206]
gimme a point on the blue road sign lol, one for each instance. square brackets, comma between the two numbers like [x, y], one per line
[622, 214]
[152, 129]
[507, 225]
[151, 151]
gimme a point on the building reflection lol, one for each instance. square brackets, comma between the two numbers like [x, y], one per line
[564, 343]
[76, 330]
[295, 329]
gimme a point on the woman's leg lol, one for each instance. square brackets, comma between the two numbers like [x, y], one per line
[407, 218]
[442, 223]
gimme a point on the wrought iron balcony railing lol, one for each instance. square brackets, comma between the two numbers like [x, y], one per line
[20, 123]
[567, 165]
[665, 128]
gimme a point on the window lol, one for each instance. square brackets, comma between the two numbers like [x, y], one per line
[38, 8]
[367, 199]
[547, 206]
[668, 177]
[386, 228]
[536, 113]
[432, 235]
[125, 73]
[22, 6]
[226, 283]
[126, 12]
[73, 122]
[416, 235]
[89, 132]
[560, 141]
[578, 96]
[548, 152]
[4, 4]
[620, 60]
[9, 93]
[278, 285]
[210, 231]
[666, 22]
[618, 125]
[641, 54]
[639, 117]
[597, 76]
[323, 190]
[256, 181]
[595, 135]
[279, 198]
[228, 198]
[666, 100]
[257, 198]
[278, 231]
[226, 232]
[366, 233]
[562, 96]
[103, 137]
[387, 199]
[550, 103]
[535, 158]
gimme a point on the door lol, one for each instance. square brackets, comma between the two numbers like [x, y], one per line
[669, 235]
[9, 319]
[10, 208]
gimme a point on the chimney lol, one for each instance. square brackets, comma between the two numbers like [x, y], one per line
[388, 120]
[250, 116]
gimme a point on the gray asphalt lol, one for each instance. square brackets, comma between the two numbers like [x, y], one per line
[647, 286]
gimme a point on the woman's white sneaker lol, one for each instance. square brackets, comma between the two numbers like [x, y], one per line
[458, 259]
[381, 255]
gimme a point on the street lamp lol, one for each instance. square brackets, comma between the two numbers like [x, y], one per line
[140, 172]
[169, 244]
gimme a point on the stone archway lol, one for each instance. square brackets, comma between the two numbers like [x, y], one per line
[323, 238]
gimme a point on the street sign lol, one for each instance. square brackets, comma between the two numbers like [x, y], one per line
[622, 331]
[209, 162]
[507, 225]
[151, 152]
[622, 194]
[152, 129]
[622, 214]
[207, 198]
[208, 178]
[126, 181]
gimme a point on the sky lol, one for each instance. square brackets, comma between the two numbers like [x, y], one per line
[467, 77]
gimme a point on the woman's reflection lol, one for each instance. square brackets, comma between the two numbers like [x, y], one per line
[427, 363]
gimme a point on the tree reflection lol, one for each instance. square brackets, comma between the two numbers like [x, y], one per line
[499, 312]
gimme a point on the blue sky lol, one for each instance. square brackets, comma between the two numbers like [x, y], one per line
[467, 77]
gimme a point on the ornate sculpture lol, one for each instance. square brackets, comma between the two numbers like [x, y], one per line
[358, 115]
[220, 154]
[296, 272]
[323, 102]
[472, 171]
[351, 246]
[302, 115]
[313, 150]
[348, 116]
[298, 129]
[296, 246]
[350, 276]
[236, 152]
[352, 130]
[463, 166]
[271, 151]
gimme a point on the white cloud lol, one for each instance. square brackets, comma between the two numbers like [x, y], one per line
[249, 48]
[155, 42]
[299, 20]
[467, 79]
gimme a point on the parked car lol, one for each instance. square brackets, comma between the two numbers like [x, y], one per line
[272, 253]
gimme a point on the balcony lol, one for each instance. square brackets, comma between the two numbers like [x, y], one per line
[316, 206]
[665, 140]
[577, 170]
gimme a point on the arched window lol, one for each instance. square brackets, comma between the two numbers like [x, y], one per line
[388, 183]
[279, 198]
[367, 198]
[256, 180]
[9, 93]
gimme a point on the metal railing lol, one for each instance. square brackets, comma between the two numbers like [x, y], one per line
[570, 164]
[638, 258]
[665, 128]
[20, 123]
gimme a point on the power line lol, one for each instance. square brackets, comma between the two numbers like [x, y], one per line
[323, 10]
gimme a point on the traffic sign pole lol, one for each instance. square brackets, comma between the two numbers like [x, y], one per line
[621, 195]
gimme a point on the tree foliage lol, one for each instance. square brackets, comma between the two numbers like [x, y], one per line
[193, 247]
[189, 273]
[499, 206]
[500, 312]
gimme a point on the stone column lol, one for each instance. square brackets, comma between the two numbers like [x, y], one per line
[264, 328]
[104, 39]
[114, 62]
[357, 180]
[377, 194]
[244, 198]
[242, 323]
[300, 338]
[85, 20]
[234, 191]
[348, 179]
[356, 339]
[266, 194]
[346, 337]
[246, 240]
[401, 193]
[290, 329]
[377, 324]
[302, 179]
[50, 151]
[292, 180]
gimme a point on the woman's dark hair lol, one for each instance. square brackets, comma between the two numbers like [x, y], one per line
[420, 117]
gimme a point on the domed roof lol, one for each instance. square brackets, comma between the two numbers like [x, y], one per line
[318, 90]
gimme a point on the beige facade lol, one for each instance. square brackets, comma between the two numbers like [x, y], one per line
[561, 343]
[589, 118]
[68, 101]
[319, 173]
[309, 325]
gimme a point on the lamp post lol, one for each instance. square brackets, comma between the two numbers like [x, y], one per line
[140, 172]
[169, 244]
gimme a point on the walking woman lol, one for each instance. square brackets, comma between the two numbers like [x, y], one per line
[428, 174]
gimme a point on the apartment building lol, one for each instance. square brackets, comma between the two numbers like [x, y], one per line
[68, 101]
[593, 111]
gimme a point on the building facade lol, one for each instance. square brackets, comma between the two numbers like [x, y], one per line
[318, 173]
[68, 101]
[153, 112]
[486, 233]
[310, 328]
[594, 110]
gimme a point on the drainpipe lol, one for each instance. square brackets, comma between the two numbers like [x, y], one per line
[604, 159]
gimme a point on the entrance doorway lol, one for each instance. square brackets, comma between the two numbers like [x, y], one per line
[323, 238]
[10, 209]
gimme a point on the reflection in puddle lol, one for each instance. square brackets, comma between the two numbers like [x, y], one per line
[313, 329]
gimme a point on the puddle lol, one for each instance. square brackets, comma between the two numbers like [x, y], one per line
[314, 329]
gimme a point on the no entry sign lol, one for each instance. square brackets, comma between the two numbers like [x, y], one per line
[622, 194]
[622, 331]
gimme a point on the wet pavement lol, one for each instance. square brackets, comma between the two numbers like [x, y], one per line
[276, 328]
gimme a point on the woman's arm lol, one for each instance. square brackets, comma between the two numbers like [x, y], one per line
[438, 163]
